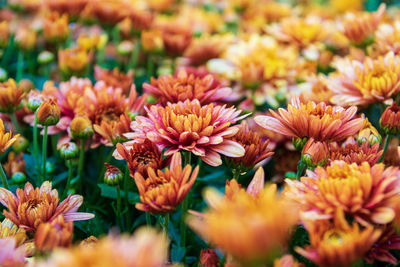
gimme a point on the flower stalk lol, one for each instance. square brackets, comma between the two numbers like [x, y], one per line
[44, 153]
[3, 177]
[385, 147]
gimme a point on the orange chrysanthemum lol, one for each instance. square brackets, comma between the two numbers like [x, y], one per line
[358, 27]
[338, 243]
[368, 82]
[261, 224]
[73, 60]
[15, 163]
[57, 233]
[186, 86]
[30, 207]
[114, 78]
[10, 230]
[161, 191]
[256, 150]
[319, 121]
[10, 96]
[352, 152]
[202, 130]
[390, 119]
[6, 139]
[362, 191]
[55, 27]
[71, 7]
[141, 156]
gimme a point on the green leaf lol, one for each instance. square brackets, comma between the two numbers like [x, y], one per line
[212, 176]
[177, 253]
[111, 192]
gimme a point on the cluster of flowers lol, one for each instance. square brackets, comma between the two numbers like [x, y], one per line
[149, 109]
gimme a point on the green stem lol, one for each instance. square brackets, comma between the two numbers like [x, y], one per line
[20, 65]
[300, 169]
[16, 123]
[150, 66]
[126, 197]
[8, 52]
[70, 172]
[187, 157]
[236, 174]
[3, 177]
[385, 147]
[148, 219]
[165, 223]
[135, 56]
[31, 63]
[46, 71]
[182, 223]
[35, 142]
[80, 163]
[44, 154]
[103, 168]
[54, 140]
[119, 208]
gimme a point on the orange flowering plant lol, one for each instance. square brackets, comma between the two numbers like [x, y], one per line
[237, 133]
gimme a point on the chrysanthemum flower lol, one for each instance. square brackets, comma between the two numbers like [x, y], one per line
[10, 230]
[358, 27]
[287, 261]
[73, 7]
[185, 86]
[261, 224]
[15, 163]
[176, 37]
[352, 152]
[4, 33]
[362, 191]
[6, 139]
[73, 61]
[114, 78]
[368, 82]
[162, 191]
[56, 233]
[338, 243]
[10, 254]
[256, 150]
[10, 96]
[146, 247]
[140, 156]
[319, 121]
[390, 119]
[55, 27]
[315, 153]
[368, 133]
[202, 130]
[110, 11]
[387, 242]
[31, 207]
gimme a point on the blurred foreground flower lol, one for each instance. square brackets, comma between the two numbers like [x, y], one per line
[10, 96]
[56, 233]
[6, 139]
[10, 254]
[162, 191]
[30, 207]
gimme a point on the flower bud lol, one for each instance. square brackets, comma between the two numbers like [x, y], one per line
[57, 233]
[125, 48]
[299, 143]
[113, 175]
[390, 120]
[35, 99]
[152, 41]
[81, 128]
[20, 145]
[3, 75]
[315, 153]
[208, 258]
[50, 167]
[69, 151]
[48, 113]
[18, 178]
[45, 57]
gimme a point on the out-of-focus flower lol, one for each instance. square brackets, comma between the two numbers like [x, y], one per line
[387, 39]
[152, 41]
[160, 5]
[261, 224]
[315, 89]
[56, 233]
[337, 243]
[10, 230]
[140, 156]
[73, 7]
[139, 20]
[319, 121]
[287, 261]
[161, 191]
[315, 153]
[55, 27]
[114, 78]
[110, 11]
[73, 60]
[4, 33]
[6, 139]
[359, 26]
[113, 175]
[362, 191]
[25, 38]
[352, 152]
[10, 96]
[186, 86]
[344, 6]
[30, 207]
[202, 130]
[387, 242]
[208, 258]
[15, 163]
[368, 82]
[146, 247]
[369, 134]
[89, 41]
[390, 120]
[10, 254]
[256, 150]
[49, 112]
[176, 38]
[81, 127]
[392, 156]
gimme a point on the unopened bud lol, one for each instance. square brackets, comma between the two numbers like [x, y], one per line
[69, 151]
[81, 128]
[113, 175]
[48, 113]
